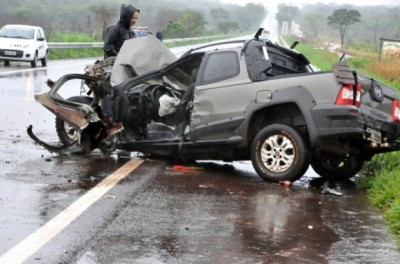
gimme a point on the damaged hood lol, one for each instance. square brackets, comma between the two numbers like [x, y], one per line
[139, 56]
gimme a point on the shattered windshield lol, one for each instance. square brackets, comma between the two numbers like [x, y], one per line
[182, 75]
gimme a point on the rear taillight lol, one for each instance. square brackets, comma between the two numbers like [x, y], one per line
[396, 111]
[346, 95]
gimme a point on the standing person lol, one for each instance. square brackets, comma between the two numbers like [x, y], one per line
[118, 33]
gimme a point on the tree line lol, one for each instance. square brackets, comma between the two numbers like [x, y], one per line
[345, 24]
[174, 18]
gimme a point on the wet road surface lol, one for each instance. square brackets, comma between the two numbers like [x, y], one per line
[222, 214]
[212, 213]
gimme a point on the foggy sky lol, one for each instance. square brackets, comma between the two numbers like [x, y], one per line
[301, 2]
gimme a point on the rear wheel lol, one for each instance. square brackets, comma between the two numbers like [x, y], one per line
[67, 133]
[336, 167]
[279, 153]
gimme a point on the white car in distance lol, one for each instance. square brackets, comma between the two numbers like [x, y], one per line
[23, 43]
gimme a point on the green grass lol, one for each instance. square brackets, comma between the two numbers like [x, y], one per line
[59, 36]
[392, 216]
[381, 179]
[317, 57]
[361, 60]
[358, 63]
[72, 37]
[384, 189]
[56, 54]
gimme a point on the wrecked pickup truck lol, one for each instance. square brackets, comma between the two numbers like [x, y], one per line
[235, 100]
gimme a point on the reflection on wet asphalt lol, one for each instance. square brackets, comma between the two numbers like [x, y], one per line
[34, 188]
[219, 214]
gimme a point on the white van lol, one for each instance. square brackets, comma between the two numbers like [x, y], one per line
[23, 43]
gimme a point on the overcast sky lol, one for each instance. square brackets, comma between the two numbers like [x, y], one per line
[300, 2]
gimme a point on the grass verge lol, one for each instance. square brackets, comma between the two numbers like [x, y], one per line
[73, 53]
[380, 178]
[317, 56]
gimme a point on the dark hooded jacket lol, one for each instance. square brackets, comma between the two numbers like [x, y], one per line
[118, 33]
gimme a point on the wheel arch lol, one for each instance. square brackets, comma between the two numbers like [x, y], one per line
[291, 106]
[286, 113]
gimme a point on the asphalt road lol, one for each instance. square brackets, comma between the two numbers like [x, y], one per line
[93, 209]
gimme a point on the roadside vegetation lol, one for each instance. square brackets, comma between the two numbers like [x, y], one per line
[381, 179]
[380, 176]
[173, 18]
[56, 54]
[72, 37]
[77, 21]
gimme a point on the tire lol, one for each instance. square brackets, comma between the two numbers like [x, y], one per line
[336, 167]
[67, 133]
[279, 153]
[35, 59]
[44, 60]
[6, 63]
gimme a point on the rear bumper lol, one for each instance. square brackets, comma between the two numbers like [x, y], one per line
[334, 121]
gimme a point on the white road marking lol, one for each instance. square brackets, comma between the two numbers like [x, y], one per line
[20, 252]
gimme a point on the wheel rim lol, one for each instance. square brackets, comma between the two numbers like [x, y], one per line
[70, 131]
[277, 153]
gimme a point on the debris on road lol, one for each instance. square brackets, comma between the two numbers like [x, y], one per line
[187, 168]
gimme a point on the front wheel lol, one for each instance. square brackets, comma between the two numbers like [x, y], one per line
[34, 61]
[67, 133]
[44, 60]
[336, 167]
[279, 153]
